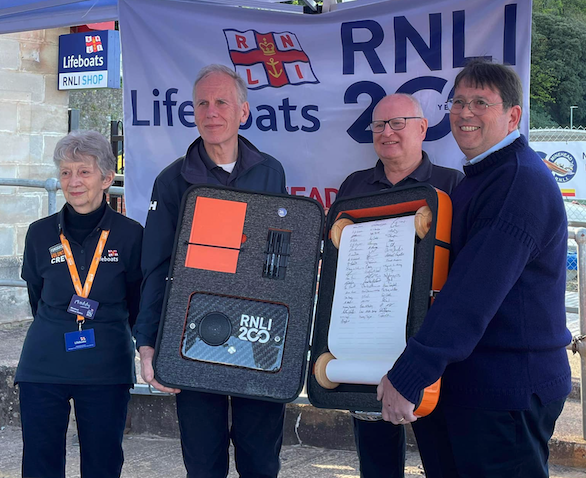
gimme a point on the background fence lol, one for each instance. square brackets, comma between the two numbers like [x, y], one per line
[575, 208]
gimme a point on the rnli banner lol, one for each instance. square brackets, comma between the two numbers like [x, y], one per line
[567, 163]
[313, 80]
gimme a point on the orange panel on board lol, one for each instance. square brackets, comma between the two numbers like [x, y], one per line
[212, 258]
[217, 222]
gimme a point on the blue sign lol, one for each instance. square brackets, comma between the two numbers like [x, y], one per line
[89, 60]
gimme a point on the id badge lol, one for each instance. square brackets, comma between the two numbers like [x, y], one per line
[78, 340]
[83, 306]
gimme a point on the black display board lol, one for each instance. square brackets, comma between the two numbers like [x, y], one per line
[244, 328]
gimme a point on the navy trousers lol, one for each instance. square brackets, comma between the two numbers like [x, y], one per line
[381, 448]
[100, 411]
[256, 432]
[457, 442]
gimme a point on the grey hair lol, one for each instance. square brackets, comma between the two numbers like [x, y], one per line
[241, 89]
[79, 145]
[414, 101]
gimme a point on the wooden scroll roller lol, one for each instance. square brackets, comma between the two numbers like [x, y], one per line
[423, 218]
[320, 371]
[427, 400]
[336, 231]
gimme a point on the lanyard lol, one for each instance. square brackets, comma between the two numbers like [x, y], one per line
[89, 280]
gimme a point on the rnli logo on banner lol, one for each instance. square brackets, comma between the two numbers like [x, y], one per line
[269, 59]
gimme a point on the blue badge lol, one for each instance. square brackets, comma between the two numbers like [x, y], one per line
[82, 306]
[80, 340]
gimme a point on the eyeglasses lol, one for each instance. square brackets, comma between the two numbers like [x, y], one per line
[396, 124]
[478, 107]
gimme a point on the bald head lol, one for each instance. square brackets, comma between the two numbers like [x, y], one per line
[402, 98]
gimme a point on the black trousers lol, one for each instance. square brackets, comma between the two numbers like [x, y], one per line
[381, 448]
[100, 411]
[257, 434]
[457, 442]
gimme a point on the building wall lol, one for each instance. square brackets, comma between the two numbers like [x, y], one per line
[33, 117]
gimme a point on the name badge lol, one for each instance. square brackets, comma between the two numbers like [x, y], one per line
[80, 340]
[82, 306]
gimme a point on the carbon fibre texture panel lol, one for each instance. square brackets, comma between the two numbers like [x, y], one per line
[258, 332]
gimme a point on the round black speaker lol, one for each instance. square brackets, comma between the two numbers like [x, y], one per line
[215, 328]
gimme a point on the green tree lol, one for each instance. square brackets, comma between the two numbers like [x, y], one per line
[539, 118]
[552, 7]
[575, 9]
[558, 69]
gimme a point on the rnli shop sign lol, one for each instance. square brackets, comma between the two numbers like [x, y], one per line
[89, 60]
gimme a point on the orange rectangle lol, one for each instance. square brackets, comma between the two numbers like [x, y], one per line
[217, 222]
[212, 258]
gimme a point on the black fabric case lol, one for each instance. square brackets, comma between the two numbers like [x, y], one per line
[363, 397]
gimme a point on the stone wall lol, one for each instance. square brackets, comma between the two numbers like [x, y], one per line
[33, 117]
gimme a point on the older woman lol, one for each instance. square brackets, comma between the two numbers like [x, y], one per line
[82, 268]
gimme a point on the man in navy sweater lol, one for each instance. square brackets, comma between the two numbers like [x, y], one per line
[219, 156]
[497, 332]
[398, 130]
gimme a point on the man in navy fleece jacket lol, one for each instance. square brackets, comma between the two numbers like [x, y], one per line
[497, 332]
[220, 156]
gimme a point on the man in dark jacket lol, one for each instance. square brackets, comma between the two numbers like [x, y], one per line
[496, 333]
[398, 130]
[219, 156]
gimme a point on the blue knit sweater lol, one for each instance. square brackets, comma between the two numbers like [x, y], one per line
[497, 331]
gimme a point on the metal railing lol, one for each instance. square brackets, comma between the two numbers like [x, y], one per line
[579, 342]
[51, 185]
